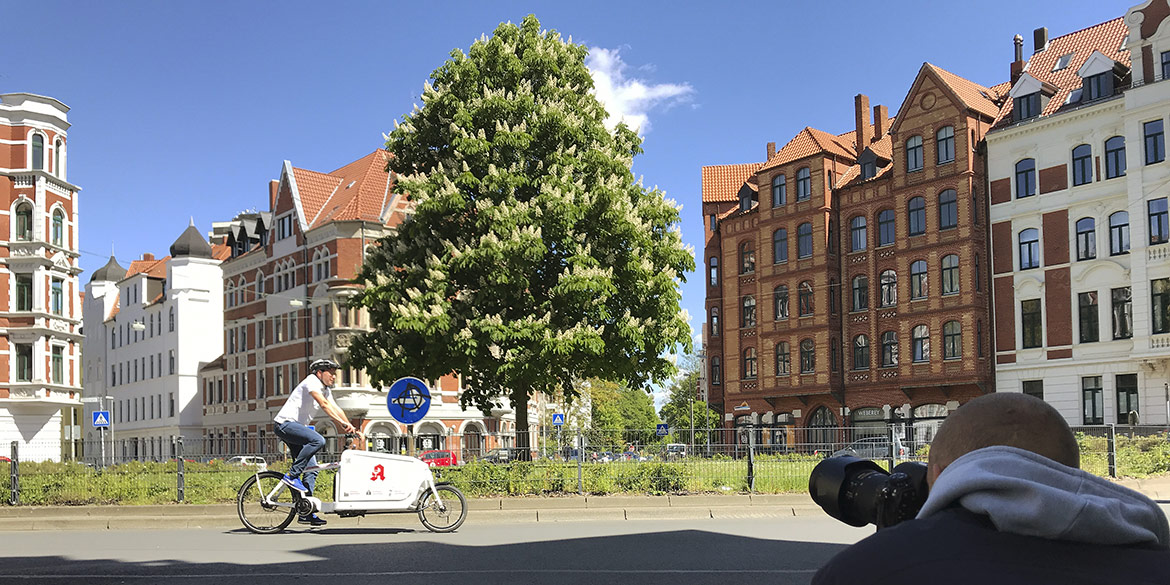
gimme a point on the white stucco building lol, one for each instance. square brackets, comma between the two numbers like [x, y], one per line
[149, 329]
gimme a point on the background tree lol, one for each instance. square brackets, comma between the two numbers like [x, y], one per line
[533, 257]
[683, 401]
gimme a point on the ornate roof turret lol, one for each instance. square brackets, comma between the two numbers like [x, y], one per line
[111, 272]
[191, 243]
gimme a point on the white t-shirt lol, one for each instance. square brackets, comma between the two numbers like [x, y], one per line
[301, 406]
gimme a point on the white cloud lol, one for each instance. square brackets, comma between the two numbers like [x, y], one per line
[630, 99]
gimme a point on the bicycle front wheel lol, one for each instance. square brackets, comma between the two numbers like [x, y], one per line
[446, 516]
[265, 517]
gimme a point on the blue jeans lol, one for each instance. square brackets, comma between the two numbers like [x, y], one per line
[303, 443]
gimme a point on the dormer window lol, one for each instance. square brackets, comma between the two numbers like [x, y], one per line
[1098, 86]
[868, 169]
[1026, 106]
[1062, 62]
[745, 201]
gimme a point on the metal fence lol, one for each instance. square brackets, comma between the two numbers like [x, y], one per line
[768, 459]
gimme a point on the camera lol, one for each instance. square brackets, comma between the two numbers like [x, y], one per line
[859, 492]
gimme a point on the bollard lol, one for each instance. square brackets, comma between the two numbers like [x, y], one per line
[182, 479]
[1112, 443]
[14, 472]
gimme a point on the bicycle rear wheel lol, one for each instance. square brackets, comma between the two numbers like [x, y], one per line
[446, 517]
[265, 517]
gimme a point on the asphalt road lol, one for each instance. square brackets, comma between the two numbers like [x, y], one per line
[768, 550]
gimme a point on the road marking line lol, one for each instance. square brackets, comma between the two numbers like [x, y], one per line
[415, 573]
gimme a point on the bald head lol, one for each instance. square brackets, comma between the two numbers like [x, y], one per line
[1010, 419]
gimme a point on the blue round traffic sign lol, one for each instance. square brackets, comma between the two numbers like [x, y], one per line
[408, 400]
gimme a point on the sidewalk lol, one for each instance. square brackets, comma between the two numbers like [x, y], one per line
[485, 510]
[481, 510]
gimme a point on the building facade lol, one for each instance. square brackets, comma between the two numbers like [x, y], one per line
[287, 286]
[149, 330]
[835, 267]
[1079, 222]
[40, 328]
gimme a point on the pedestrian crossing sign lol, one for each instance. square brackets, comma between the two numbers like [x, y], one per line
[101, 418]
[558, 419]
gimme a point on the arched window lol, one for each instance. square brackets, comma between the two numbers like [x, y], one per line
[948, 210]
[857, 235]
[1082, 165]
[950, 274]
[889, 349]
[952, 340]
[716, 372]
[779, 190]
[749, 312]
[888, 282]
[58, 231]
[779, 246]
[714, 271]
[806, 298]
[783, 359]
[38, 152]
[804, 240]
[920, 338]
[834, 291]
[1119, 233]
[24, 221]
[1115, 157]
[860, 293]
[1025, 178]
[918, 288]
[861, 352]
[780, 303]
[1086, 238]
[1029, 248]
[714, 321]
[808, 357]
[747, 258]
[945, 144]
[59, 159]
[916, 214]
[822, 434]
[803, 184]
[886, 227]
[749, 363]
[914, 154]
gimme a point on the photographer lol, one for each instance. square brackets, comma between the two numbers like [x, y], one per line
[1008, 504]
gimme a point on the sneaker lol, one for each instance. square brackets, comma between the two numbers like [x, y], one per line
[311, 520]
[294, 483]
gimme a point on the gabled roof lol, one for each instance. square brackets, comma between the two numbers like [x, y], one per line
[220, 252]
[153, 268]
[722, 182]
[357, 191]
[1106, 37]
[976, 98]
[809, 142]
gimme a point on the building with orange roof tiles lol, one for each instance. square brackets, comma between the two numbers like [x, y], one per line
[1080, 237]
[149, 329]
[850, 257]
[287, 285]
[40, 328]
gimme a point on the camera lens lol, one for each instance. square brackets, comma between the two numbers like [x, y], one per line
[859, 492]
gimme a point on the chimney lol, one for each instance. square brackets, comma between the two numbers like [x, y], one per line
[1040, 39]
[861, 110]
[771, 151]
[881, 117]
[273, 189]
[147, 256]
[1018, 64]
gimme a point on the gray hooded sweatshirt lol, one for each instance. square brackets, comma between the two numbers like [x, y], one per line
[1025, 493]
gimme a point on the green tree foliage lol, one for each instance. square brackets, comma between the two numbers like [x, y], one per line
[683, 404]
[533, 257]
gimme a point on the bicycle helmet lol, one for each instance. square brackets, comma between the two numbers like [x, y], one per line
[322, 365]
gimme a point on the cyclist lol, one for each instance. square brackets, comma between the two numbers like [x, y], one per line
[291, 425]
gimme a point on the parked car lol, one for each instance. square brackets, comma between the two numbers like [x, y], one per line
[872, 448]
[439, 458]
[501, 455]
[247, 461]
[675, 451]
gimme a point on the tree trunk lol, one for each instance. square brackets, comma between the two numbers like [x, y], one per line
[520, 408]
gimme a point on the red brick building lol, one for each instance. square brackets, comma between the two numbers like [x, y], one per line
[846, 275]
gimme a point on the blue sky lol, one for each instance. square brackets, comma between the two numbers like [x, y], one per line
[187, 109]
